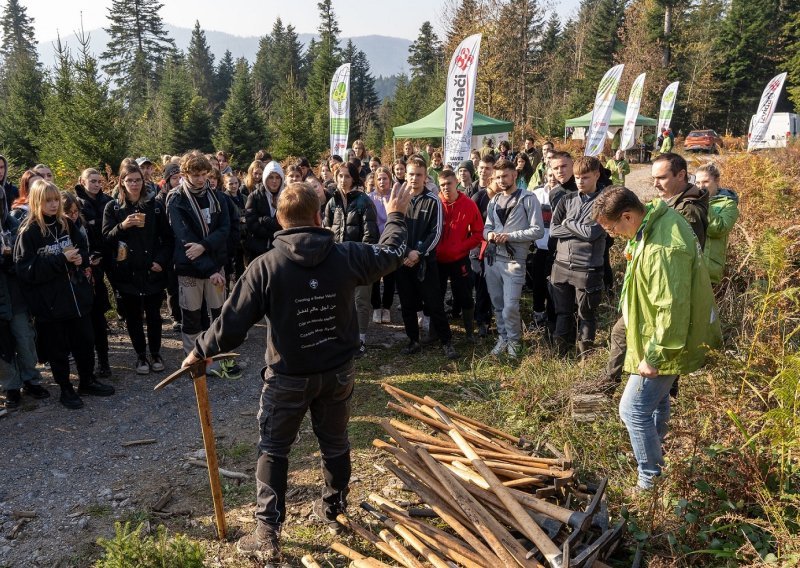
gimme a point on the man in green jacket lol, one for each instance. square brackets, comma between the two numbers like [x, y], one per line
[669, 311]
[723, 211]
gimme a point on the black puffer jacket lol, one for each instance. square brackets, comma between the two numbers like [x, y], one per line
[92, 209]
[55, 290]
[352, 218]
[152, 243]
[260, 221]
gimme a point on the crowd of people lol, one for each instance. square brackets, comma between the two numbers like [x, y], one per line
[493, 227]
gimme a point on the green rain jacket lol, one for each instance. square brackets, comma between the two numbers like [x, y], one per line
[723, 211]
[667, 301]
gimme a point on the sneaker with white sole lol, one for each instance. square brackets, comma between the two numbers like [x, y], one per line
[142, 365]
[514, 348]
[499, 347]
[376, 316]
[386, 315]
[156, 362]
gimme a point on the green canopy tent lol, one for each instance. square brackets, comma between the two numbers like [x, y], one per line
[432, 126]
[617, 118]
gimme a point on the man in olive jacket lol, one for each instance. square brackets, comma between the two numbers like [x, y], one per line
[669, 313]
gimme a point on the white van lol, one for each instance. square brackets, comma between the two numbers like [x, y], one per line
[782, 126]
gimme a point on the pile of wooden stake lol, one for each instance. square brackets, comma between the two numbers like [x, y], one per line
[489, 502]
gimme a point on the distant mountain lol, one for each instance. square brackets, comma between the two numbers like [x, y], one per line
[387, 55]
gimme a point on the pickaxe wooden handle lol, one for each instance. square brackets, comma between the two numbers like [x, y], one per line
[198, 374]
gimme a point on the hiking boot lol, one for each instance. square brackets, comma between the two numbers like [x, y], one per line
[412, 348]
[93, 387]
[227, 369]
[499, 347]
[263, 543]
[376, 316]
[327, 519]
[362, 350]
[386, 315]
[35, 391]
[13, 398]
[514, 349]
[142, 365]
[156, 363]
[69, 398]
[449, 351]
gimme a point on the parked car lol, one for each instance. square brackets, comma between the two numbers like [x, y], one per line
[707, 140]
[782, 127]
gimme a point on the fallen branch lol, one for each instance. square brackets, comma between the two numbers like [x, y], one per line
[223, 472]
[165, 498]
[139, 442]
[24, 514]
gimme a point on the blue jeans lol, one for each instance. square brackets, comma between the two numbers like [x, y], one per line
[644, 408]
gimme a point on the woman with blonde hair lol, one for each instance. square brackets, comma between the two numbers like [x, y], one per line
[253, 177]
[50, 258]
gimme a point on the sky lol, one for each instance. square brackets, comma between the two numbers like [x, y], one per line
[254, 18]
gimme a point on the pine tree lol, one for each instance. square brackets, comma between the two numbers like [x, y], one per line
[552, 34]
[196, 127]
[55, 141]
[462, 24]
[279, 56]
[200, 61]
[792, 63]
[18, 31]
[223, 79]
[241, 129]
[747, 65]
[291, 127]
[137, 48]
[600, 49]
[425, 55]
[327, 58]
[404, 103]
[363, 97]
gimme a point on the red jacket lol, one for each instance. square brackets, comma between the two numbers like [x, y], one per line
[462, 229]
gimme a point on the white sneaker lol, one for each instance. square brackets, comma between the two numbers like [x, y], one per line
[376, 316]
[386, 316]
[499, 347]
[420, 320]
[426, 324]
[514, 348]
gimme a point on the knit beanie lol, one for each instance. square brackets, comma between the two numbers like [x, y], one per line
[467, 165]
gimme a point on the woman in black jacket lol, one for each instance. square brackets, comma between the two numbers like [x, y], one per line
[51, 256]
[259, 212]
[137, 232]
[352, 216]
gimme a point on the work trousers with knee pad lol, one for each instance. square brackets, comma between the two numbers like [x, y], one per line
[192, 292]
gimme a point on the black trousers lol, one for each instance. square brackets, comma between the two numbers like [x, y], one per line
[459, 274]
[618, 344]
[571, 288]
[416, 295]
[135, 307]
[173, 300]
[55, 340]
[483, 302]
[540, 265]
[383, 300]
[98, 315]
[285, 400]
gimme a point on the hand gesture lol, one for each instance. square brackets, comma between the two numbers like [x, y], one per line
[194, 250]
[399, 199]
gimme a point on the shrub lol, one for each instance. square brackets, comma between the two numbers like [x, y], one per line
[128, 549]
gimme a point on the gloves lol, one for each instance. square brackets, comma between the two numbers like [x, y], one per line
[490, 253]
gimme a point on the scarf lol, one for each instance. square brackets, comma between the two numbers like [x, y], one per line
[191, 197]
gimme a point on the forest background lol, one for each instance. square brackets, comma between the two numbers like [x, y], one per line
[143, 96]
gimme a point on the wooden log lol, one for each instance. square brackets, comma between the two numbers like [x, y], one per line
[139, 442]
[527, 526]
[499, 539]
[223, 472]
[368, 536]
[309, 562]
[404, 555]
[165, 498]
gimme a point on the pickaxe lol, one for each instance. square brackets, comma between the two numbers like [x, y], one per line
[198, 374]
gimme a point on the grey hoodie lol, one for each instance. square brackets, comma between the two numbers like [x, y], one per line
[524, 224]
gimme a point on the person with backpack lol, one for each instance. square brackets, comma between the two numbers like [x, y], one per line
[137, 230]
[50, 257]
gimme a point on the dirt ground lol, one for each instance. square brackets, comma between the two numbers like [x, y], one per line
[73, 470]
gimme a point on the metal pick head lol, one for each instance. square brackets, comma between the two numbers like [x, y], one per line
[193, 371]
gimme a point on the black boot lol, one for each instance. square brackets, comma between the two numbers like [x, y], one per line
[103, 368]
[35, 391]
[13, 398]
[469, 324]
[93, 387]
[69, 398]
[336, 472]
[272, 474]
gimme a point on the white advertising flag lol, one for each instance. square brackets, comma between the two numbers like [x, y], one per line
[460, 101]
[769, 98]
[667, 106]
[603, 105]
[340, 109]
[634, 103]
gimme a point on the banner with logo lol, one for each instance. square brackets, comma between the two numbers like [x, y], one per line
[766, 107]
[634, 103]
[460, 101]
[601, 115]
[667, 106]
[340, 110]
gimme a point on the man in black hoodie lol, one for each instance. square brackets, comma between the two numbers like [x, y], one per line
[305, 287]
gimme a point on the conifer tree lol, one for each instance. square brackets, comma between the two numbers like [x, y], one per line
[200, 61]
[425, 55]
[196, 127]
[327, 58]
[18, 31]
[599, 50]
[363, 97]
[552, 34]
[241, 129]
[223, 79]
[291, 127]
[137, 48]
[792, 63]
